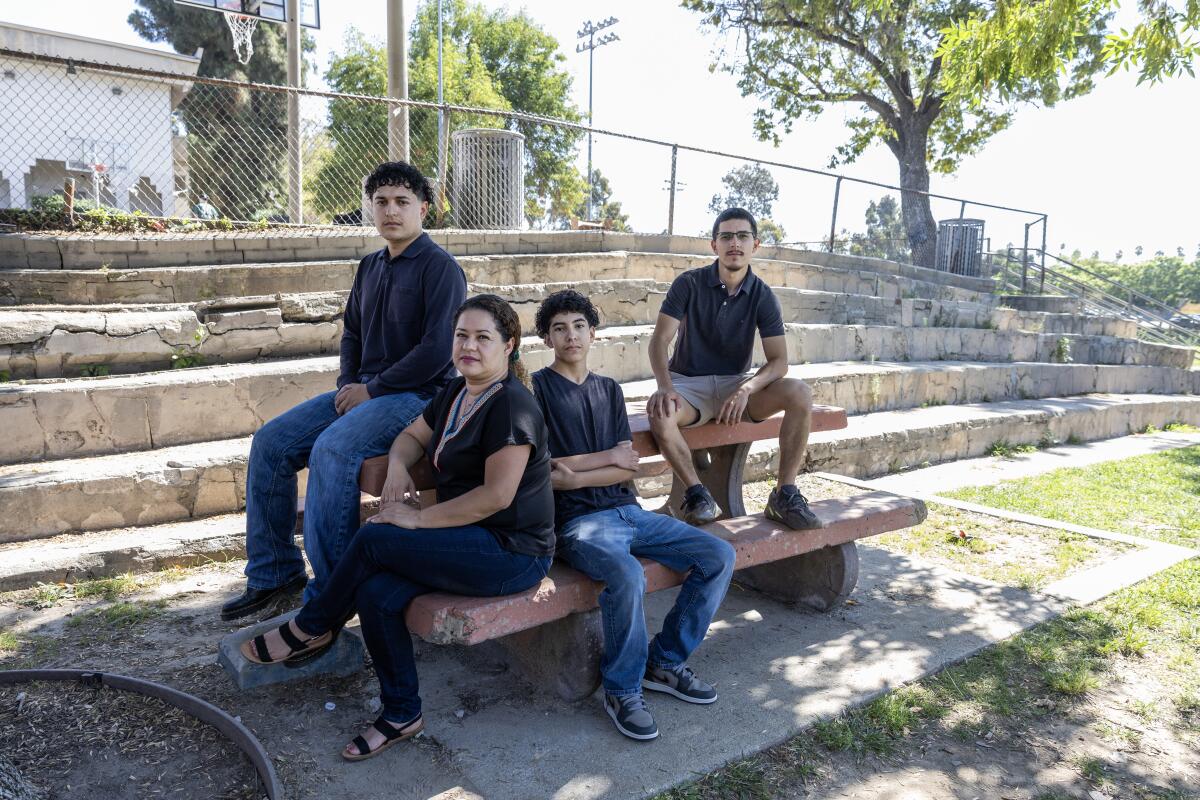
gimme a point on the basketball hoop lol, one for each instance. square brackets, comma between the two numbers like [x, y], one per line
[99, 169]
[242, 28]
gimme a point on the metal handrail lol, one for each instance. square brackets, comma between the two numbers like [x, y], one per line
[1151, 326]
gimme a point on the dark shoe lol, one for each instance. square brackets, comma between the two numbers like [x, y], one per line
[255, 600]
[391, 733]
[698, 506]
[630, 715]
[788, 506]
[299, 650]
[679, 681]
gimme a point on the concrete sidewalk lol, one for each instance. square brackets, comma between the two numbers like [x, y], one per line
[778, 669]
[990, 469]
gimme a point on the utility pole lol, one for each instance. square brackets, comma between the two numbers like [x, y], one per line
[589, 31]
[295, 157]
[397, 61]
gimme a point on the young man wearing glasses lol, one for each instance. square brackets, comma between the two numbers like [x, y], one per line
[715, 311]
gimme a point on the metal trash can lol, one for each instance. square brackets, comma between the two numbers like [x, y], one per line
[960, 247]
[487, 183]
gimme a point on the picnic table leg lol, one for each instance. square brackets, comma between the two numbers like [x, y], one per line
[820, 579]
[720, 470]
[563, 655]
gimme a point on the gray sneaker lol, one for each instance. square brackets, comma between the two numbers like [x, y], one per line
[790, 507]
[630, 715]
[679, 681]
[698, 506]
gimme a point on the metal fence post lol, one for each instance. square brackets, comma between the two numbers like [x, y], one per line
[671, 206]
[1025, 262]
[442, 167]
[295, 151]
[837, 191]
[1042, 286]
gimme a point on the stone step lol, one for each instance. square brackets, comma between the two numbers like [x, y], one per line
[170, 484]
[95, 416]
[623, 352]
[188, 284]
[75, 557]
[119, 251]
[193, 481]
[58, 343]
[889, 441]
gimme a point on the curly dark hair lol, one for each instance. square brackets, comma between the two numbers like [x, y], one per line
[400, 173]
[735, 213]
[508, 324]
[557, 303]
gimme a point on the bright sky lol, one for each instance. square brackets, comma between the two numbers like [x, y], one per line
[1113, 170]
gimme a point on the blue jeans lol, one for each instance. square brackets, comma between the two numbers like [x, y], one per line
[385, 567]
[333, 448]
[605, 546]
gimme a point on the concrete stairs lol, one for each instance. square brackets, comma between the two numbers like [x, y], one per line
[141, 470]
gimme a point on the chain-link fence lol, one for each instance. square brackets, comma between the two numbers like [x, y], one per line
[151, 150]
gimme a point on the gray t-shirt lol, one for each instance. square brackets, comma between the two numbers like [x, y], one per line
[716, 330]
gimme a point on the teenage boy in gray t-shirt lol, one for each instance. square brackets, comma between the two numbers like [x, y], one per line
[716, 311]
[602, 530]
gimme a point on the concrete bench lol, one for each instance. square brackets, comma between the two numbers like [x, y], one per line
[552, 632]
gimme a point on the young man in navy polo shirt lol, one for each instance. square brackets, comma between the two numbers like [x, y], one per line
[716, 311]
[395, 354]
[602, 530]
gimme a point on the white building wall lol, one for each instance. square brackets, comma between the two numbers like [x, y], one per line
[74, 120]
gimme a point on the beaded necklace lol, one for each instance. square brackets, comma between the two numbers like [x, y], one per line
[457, 419]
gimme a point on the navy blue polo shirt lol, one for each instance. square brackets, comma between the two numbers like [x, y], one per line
[399, 322]
[583, 418]
[716, 329]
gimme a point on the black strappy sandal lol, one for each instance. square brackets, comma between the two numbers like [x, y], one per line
[391, 735]
[302, 650]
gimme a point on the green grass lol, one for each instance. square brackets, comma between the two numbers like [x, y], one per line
[1156, 496]
[1180, 427]
[107, 588]
[119, 615]
[1004, 449]
[8, 642]
[1007, 552]
[1048, 669]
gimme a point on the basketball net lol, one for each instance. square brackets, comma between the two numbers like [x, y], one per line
[242, 28]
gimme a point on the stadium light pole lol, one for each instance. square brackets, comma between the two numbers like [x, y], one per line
[589, 31]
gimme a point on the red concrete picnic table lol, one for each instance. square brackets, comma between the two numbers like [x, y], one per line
[551, 632]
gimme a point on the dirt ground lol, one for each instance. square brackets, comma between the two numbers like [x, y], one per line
[1123, 739]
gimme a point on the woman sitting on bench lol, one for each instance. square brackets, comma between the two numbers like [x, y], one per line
[491, 532]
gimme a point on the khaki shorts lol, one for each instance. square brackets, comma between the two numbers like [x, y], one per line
[707, 393]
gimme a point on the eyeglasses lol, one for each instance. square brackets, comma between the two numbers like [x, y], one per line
[743, 237]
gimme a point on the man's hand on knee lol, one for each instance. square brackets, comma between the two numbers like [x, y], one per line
[663, 404]
[349, 396]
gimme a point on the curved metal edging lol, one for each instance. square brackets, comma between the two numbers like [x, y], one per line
[202, 710]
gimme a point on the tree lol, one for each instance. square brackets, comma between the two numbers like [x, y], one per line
[752, 187]
[995, 49]
[237, 139]
[358, 128]
[883, 58]
[885, 236]
[604, 209]
[527, 67]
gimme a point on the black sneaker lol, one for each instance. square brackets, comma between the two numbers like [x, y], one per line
[679, 681]
[255, 600]
[630, 715]
[698, 506]
[788, 506]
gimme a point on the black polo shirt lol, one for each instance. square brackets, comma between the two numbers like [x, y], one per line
[399, 320]
[716, 330]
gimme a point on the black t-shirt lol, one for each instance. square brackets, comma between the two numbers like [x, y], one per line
[583, 418]
[510, 416]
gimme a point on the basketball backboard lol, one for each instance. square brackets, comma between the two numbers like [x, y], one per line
[267, 10]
